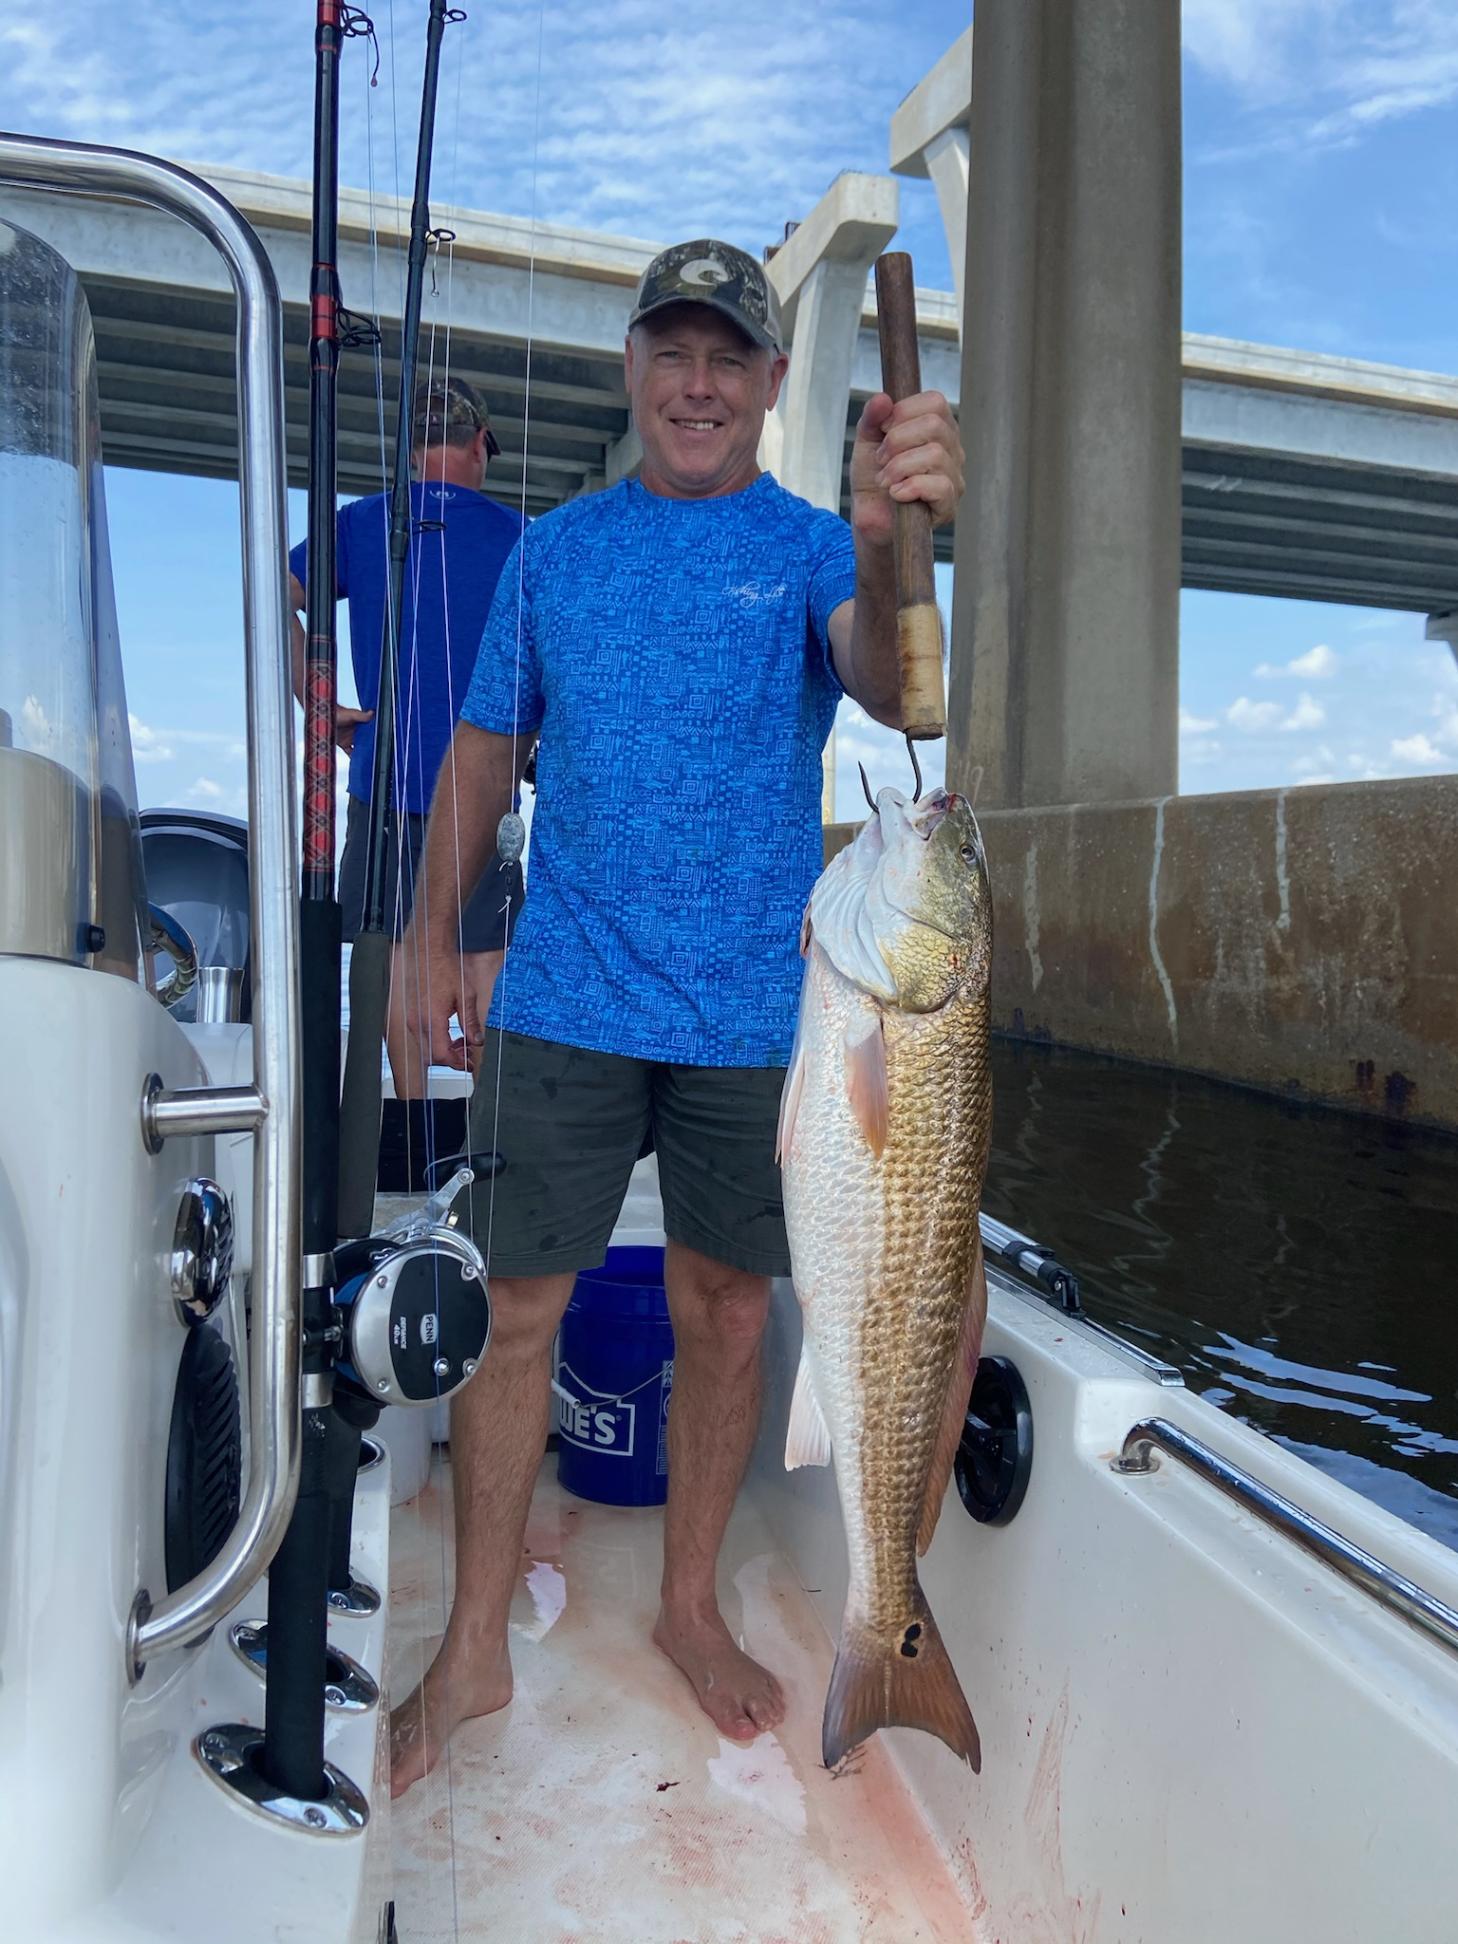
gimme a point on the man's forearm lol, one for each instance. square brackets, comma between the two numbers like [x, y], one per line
[475, 789]
[875, 672]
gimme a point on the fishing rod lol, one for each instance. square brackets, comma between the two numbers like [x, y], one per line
[369, 965]
[292, 1758]
[402, 1317]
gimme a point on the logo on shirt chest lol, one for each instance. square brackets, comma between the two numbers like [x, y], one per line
[752, 594]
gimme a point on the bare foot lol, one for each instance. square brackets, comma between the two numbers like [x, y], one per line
[740, 1697]
[452, 1692]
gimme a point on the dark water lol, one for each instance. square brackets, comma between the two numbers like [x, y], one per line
[1299, 1266]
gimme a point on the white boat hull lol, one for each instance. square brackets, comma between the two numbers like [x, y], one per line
[111, 1827]
[1192, 1732]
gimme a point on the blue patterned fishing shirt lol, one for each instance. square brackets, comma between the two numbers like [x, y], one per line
[675, 656]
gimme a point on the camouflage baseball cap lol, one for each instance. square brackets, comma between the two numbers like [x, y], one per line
[445, 405]
[716, 274]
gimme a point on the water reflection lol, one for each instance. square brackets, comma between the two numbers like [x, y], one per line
[1297, 1265]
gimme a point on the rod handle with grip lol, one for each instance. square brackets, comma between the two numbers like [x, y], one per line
[918, 618]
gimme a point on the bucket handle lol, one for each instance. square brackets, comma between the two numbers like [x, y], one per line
[653, 1377]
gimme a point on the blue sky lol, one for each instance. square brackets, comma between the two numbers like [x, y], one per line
[1321, 195]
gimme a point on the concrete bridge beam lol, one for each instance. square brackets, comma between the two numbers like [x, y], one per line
[930, 137]
[819, 275]
[1065, 668]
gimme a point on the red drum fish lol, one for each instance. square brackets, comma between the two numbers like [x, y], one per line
[884, 1134]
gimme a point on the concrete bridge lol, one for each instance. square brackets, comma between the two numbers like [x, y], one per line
[1302, 475]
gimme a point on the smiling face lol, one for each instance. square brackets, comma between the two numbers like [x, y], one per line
[699, 391]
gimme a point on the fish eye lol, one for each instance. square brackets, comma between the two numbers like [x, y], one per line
[968, 853]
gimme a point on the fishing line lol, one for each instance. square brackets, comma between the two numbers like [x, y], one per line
[384, 466]
[450, 237]
[520, 579]
[450, 676]
[418, 962]
[422, 952]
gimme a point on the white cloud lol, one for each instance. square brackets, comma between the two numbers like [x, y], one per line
[1323, 73]
[1446, 714]
[149, 745]
[1319, 759]
[1253, 716]
[1236, 40]
[1193, 725]
[204, 790]
[1417, 749]
[1305, 782]
[37, 732]
[1200, 750]
[624, 117]
[1307, 714]
[1256, 718]
[1317, 663]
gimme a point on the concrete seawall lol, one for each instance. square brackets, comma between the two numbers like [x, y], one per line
[1302, 940]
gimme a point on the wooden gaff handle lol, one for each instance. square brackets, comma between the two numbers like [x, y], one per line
[918, 619]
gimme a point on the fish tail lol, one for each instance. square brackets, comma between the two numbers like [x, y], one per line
[908, 1682]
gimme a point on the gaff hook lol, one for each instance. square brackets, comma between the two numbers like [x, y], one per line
[915, 770]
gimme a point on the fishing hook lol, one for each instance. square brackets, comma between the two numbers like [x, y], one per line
[866, 785]
[915, 769]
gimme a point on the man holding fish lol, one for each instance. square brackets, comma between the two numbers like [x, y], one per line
[680, 642]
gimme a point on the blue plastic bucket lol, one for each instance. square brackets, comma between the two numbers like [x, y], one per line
[615, 1364]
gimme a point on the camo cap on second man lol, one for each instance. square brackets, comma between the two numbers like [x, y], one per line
[446, 405]
[716, 274]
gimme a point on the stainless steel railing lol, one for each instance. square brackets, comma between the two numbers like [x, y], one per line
[272, 1105]
[1388, 1587]
[1010, 1249]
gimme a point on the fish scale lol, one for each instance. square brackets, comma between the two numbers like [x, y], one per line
[884, 1245]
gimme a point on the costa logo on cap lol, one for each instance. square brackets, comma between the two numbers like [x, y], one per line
[704, 270]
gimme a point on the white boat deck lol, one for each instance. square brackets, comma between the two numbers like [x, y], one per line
[602, 1805]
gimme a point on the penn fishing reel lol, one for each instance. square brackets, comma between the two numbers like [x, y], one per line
[413, 1305]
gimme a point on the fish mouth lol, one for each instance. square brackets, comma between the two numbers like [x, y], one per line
[923, 818]
[935, 810]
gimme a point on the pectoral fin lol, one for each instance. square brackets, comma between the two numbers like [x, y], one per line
[865, 1079]
[808, 1439]
[790, 1101]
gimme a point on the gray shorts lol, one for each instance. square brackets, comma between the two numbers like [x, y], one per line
[571, 1124]
[490, 911]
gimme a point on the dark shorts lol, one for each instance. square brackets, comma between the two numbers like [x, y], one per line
[572, 1123]
[490, 911]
